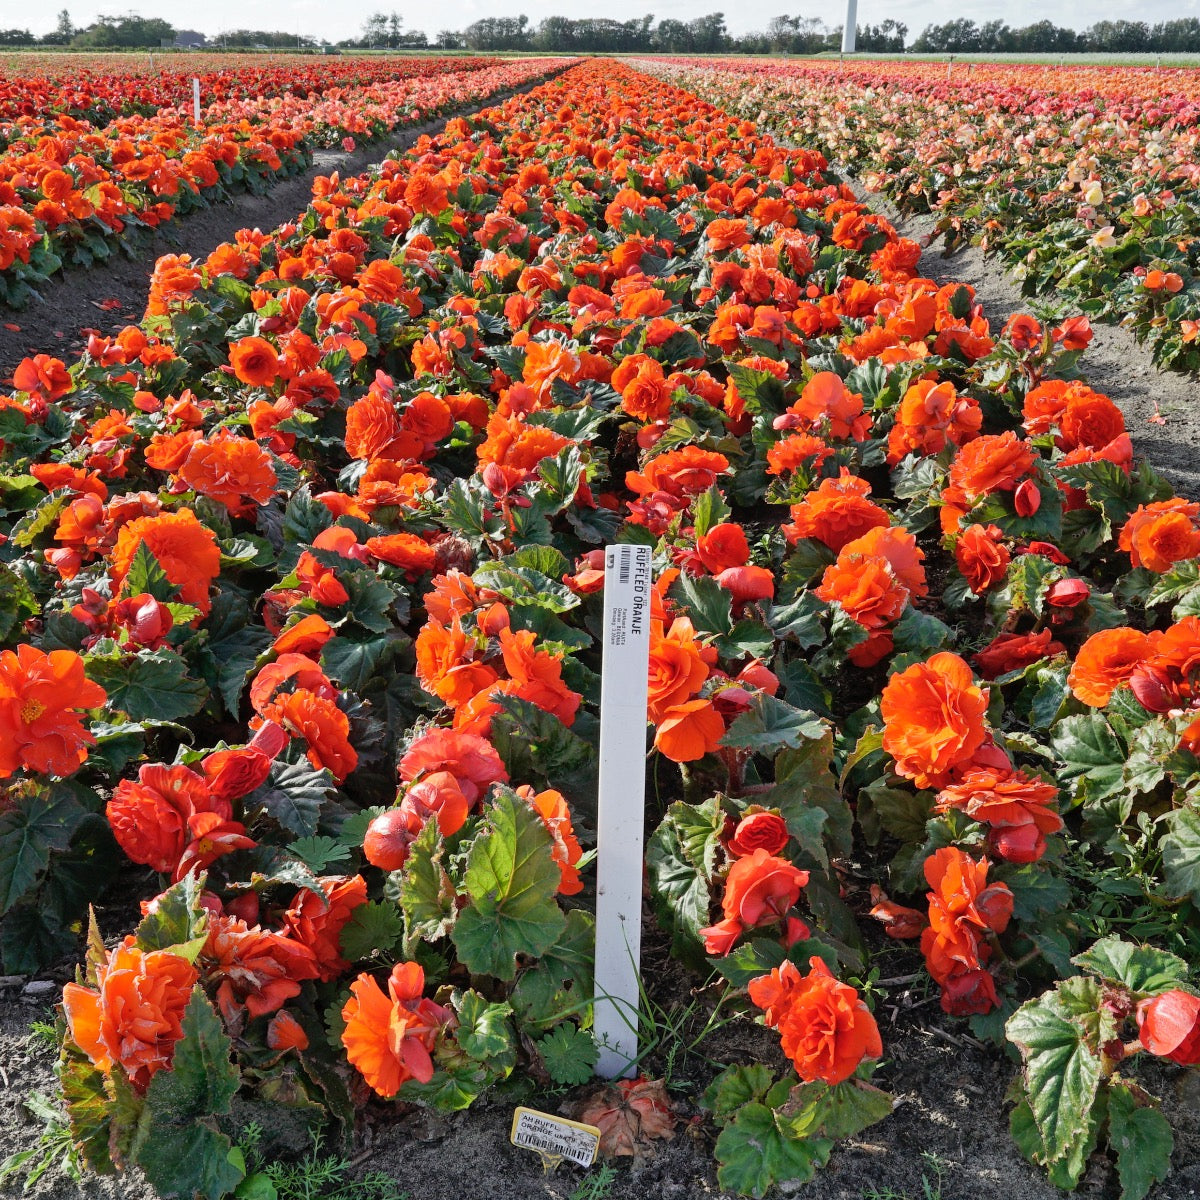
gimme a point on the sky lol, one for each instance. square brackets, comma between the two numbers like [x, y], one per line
[328, 21]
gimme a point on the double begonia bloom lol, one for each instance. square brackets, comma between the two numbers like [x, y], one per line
[134, 1016]
[317, 921]
[759, 890]
[1018, 809]
[934, 718]
[1159, 535]
[824, 1025]
[1107, 660]
[186, 550]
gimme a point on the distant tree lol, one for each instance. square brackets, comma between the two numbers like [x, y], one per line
[1117, 37]
[886, 38]
[498, 33]
[16, 37]
[448, 39]
[1180, 36]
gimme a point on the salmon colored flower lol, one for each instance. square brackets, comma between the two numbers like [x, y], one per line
[933, 716]
[1169, 1026]
[41, 697]
[824, 1025]
[760, 888]
[134, 1017]
[390, 1038]
[759, 829]
[472, 760]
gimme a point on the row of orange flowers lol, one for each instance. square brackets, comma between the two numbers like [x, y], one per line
[71, 189]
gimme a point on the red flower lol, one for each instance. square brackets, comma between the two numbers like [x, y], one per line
[1169, 1026]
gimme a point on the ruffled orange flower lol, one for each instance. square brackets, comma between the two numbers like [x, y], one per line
[1018, 808]
[836, 513]
[230, 470]
[1107, 660]
[1159, 535]
[317, 921]
[410, 553]
[41, 697]
[689, 731]
[645, 395]
[390, 1038]
[552, 807]
[933, 716]
[678, 668]
[372, 427]
[323, 726]
[186, 550]
[135, 1015]
[256, 970]
[982, 557]
[824, 1025]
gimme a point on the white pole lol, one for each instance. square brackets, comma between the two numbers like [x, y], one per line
[196, 100]
[622, 804]
[850, 29]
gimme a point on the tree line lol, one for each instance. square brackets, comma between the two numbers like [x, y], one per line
[702, 35]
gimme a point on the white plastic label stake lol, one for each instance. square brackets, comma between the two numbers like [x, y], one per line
[196, 100]
[626, 655]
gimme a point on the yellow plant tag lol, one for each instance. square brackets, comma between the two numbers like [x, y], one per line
[554, 1138]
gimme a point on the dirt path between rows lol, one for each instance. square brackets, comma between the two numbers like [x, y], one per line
[1115, 363]
[80, 300]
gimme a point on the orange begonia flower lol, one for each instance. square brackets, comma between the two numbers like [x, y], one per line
[186, 550]
[134, 1017]
[933, 716]
[254, 361]
[1107, 660]
[390, 1038]
[317, 921]
[825, 1027]
[689, 731]
[41, 696]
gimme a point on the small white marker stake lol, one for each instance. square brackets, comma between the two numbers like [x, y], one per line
[626, 656]
[196, 100]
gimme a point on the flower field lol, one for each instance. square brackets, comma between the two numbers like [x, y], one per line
[300, 604]
[1083, 181]
[100, 157]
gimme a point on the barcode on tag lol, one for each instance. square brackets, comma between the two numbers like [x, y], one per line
[626, 562]
[555, 1137]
